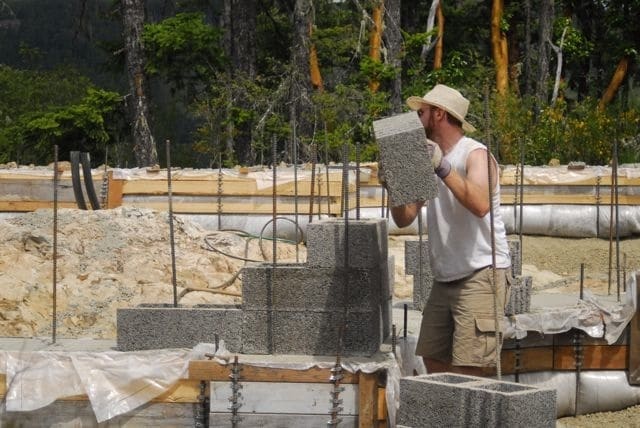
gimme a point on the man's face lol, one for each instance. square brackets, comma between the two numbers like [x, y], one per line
[425, 113]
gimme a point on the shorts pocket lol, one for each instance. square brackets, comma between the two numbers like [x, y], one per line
[485, 349]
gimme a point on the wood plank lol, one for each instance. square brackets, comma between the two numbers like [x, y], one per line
[211, 370]
[114, 195]
[634, 340]
[383, 413]
[531, 360]
[567, 199]
[595, 357]
[368, 400]
[28, 206]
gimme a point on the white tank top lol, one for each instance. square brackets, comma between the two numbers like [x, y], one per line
[459, 241]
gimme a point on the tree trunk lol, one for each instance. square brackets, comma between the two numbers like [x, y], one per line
[144, 146]
[239, 22]
[527, 49]
[375, 39]
[499, 48]
[301, 115]
[558, 51]
[393, 38]
[314, 66]
[439, 53]
[615, 83]
[546, 18]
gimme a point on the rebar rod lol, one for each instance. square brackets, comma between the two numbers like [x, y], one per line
[54, 317]
[617, 203]
[358, 181]
[314, 160]
[219, 193]
[295, 191]
[172, 245]
[490, 174]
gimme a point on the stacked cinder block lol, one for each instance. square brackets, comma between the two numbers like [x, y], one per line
[452, 400]
[407, 163]
[421, 285]
[307, 308]
[516, 257]
[164, 326]
[520, 297]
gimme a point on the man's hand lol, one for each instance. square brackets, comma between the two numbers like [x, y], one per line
[441, 166]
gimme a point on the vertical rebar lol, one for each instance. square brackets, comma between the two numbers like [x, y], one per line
[171, 234]
[219, 191]
[326, 168]
[615, 155]
[520, 227]
[295, 192]
[274, 200]
[357, 181]
[490, 174]
[611, 217]
[314, 161]
[54, 317]
[598, 199]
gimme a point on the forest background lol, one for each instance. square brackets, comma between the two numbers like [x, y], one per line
[239, 82]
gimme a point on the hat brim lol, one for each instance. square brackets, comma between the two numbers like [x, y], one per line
[415, 103]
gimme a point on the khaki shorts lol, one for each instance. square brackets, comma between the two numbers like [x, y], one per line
[458, 323]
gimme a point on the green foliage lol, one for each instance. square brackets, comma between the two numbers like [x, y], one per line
[575, 45]
[184, 49]
[581, 133]
[41, 109]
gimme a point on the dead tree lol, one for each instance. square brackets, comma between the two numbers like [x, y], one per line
[144, 146]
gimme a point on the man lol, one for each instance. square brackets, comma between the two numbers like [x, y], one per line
[458, 324]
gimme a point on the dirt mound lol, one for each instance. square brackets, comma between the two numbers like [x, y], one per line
[110, 259]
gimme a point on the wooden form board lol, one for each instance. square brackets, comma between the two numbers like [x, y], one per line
[561, 358]
[24, 193]
[369, 386]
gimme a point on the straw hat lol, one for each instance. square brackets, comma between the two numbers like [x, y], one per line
[446, 98]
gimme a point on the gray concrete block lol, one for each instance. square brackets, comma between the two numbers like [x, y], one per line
[407, 162]
[367, 246]
[163, 326]
[422, 281]
[300, 287]
[447, 399]
[412, 256]
[520, 297]
[516, 257]
[311, 333]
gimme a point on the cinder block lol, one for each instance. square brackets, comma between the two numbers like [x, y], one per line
[367, 246]
[407, 162]
[158, 327]
[457, 400]
[300, 287]
[422, 284]
[516, 257]
[520, 297]
[311, 333]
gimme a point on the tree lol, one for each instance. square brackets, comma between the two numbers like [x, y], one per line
[144, 146]
[393, 41]
[499, 47]
[545, 25]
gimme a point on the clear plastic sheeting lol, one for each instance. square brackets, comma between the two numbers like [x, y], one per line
[115, 382]
[590, 315]
[118, 382]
